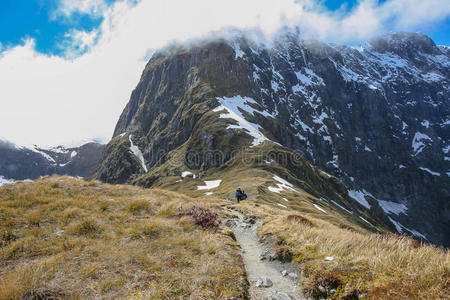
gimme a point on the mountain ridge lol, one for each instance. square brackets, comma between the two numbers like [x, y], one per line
[374, 118]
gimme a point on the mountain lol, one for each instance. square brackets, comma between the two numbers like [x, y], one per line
[19, 162]
[364, 129]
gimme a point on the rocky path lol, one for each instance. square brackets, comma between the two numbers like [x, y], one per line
[268, 279]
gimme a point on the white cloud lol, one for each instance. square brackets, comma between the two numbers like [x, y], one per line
[67, 7]
[50, 100]
[77, 42]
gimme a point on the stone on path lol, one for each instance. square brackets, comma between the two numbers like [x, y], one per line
[280, 296]
[264, 282]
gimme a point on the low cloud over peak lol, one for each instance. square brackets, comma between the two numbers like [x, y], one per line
[52, 100]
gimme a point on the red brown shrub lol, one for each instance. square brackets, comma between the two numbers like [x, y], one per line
[204, 217]
[300, 219]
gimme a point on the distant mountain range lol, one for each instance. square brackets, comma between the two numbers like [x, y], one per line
[20, 162]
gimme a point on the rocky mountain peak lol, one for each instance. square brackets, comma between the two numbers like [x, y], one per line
[374, 117]
[404, 44]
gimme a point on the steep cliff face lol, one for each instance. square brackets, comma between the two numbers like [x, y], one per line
[376, 117]
[20, 163]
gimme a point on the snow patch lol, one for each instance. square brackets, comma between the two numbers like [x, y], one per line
[209, 184]
[274, 85]
[4, 181]
[309, 78]
[45, 155]
[425, 123]
[418, 142]
[392, 207]
[234, 105]
[281, 186]
[360, 197]
[208, 193]
[73, 154]
[400, 229]
[238, 53]
[281, 205]
[341, 207]
[137, 152]
[186, 173]
[397, 225]
[429, 171]
[319, 208]
[59, 149]
[366, 221]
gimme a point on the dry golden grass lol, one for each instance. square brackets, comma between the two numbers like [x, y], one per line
[84, 240]
[373, 266]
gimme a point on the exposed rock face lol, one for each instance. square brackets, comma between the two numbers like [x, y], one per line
[376, 117]
[31, 162]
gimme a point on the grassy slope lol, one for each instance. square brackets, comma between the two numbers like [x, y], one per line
[87, 239]
[368, 260]
[84, 240]
[250, 171]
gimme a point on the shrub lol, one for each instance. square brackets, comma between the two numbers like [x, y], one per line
[204, 217]
[300, 219]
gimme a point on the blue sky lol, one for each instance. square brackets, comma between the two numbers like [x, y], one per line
[38, 19]
[67, 67]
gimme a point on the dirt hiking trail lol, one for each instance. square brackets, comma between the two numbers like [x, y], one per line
[265, 277]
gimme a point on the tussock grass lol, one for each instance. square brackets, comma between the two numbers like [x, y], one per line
[375, 266]
[72, 239]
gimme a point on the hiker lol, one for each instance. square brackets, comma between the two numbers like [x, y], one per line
[240, 195]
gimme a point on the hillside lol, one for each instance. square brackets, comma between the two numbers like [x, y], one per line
[65, 238]
[374, 118]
